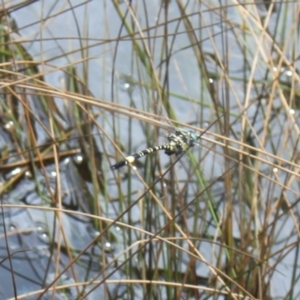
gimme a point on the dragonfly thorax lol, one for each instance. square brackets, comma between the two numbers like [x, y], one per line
[180, 141]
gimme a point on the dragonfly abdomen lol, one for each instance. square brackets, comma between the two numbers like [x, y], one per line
[132, 158]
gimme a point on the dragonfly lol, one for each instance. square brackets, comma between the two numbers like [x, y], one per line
[178, 142]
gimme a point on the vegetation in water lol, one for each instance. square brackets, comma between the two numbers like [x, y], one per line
[84, 84]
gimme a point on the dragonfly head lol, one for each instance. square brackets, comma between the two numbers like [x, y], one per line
[194, 138]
